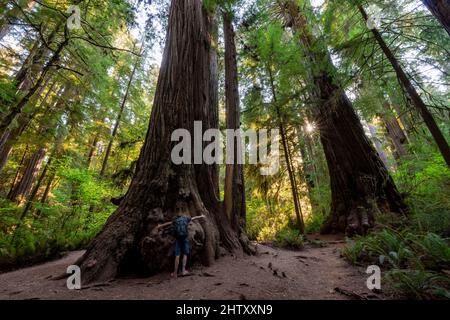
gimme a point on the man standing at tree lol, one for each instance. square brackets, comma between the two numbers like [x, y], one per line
[180, 227]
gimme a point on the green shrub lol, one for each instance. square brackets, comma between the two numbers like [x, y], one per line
[353, 252]
[419, 284]
[314, 222]
[383, 247]
[289, 238]
[255, 209]
[434, 251]
[7, 93]
[262, 224]
[416, 263]
[76, 211]
[436, 221]
[425, 181]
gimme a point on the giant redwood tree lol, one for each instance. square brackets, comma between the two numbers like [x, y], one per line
[185, 93]
[361, 186]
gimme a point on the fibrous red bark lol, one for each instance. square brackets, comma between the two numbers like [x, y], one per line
[396, 135]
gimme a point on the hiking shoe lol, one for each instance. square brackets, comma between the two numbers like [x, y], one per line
[185, 273]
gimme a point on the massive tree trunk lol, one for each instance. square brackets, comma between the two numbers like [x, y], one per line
[129, 238]
[441, 10]
[35, 190]
[417, 101]
[396, 135]
[32, 167]
[19, 168]
[404, 120]
[92, 149]
[360, 183]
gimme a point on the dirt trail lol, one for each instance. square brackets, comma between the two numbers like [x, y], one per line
[275, 273]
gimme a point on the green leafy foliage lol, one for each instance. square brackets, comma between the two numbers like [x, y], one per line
[420, 284]
[416, 254]
[68, 223]
[416, 263]
[71, 118]
[289, 238]
[426, 184]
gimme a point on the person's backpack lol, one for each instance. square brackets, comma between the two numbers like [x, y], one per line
[181, 226]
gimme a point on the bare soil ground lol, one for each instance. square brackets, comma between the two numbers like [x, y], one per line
[312, 273]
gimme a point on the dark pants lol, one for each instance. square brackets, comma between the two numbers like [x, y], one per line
[181, 243]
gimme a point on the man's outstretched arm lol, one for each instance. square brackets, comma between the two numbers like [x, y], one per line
[198, 217]
[164, 225]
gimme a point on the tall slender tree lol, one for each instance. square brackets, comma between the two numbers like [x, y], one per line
[417, 101]
[118, 119]
[287, 157]
[234, 191]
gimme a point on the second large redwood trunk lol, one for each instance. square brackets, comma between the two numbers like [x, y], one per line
[361, 186]
[183, 95]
